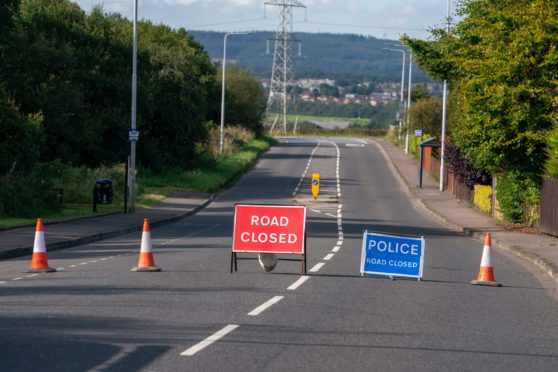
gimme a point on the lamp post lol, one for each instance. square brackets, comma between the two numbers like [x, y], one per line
[409, 103]
[221, 141]
[444, 114]
[133, 131]
[402, 87]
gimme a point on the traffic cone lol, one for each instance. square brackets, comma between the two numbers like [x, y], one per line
[39, 262]
[486, 273]
[146, 262]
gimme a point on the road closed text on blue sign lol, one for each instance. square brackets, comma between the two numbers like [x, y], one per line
[392, 255]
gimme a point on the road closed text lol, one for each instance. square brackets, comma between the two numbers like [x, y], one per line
[266, 228]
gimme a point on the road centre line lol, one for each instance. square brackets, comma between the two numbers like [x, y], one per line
[263, 307]
[298, 283]
[211, 339]
[3, 282]
[336, 249]
[340, 242]
[328, 257]
[317, 267]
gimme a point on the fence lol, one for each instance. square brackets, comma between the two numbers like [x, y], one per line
[548, 222]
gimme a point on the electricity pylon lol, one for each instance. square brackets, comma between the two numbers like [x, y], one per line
[281, 69]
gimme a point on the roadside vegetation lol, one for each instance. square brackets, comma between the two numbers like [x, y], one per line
[65, 93]
[500, 62]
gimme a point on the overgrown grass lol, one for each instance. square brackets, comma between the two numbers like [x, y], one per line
[152, 188]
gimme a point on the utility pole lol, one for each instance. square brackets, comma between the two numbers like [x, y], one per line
[133, 130]
[444, 115]
[281, 69]
[402, 99]
[409, 103]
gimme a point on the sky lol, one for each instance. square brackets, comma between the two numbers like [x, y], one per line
[387, 19]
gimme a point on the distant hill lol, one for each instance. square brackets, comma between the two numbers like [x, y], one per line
[337, 56]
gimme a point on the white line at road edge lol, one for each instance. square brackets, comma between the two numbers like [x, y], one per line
[263, 307]
[298, 283]
[208, 341]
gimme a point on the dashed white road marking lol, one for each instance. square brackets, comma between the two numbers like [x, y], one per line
[17, 279]
[3, 282]
[331, 215]
[208, 341]
[340, 242]
[32, 275]
[336, 249]
[298, 283]
[317, 267]
[263, 307]
[329, 256]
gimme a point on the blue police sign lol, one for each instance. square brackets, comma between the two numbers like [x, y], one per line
[392, 255]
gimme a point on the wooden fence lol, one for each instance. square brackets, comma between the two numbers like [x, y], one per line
[548, 222]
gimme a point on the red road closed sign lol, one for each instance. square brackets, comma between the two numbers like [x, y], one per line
[269, 228]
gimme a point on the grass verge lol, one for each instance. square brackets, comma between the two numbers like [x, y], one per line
[155, 187]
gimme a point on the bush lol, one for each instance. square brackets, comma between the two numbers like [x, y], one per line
[514, 192]
[28, 194]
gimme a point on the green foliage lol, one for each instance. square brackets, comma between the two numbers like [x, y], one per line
[214, 177]
[500, 61]
[551, 165]
[28, 194]
[17, 133]
[514, 193]
[245, 99]
[426, 114]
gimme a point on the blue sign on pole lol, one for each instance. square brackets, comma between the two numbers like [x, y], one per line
[392, 255]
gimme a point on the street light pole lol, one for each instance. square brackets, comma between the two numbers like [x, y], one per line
[221, 142]
[409, 103]
[132, 174]
[444, 114]
[402, 87]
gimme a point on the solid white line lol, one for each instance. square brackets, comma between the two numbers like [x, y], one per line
[336, 248]
[298, 283]
[208, 341]
[329, 257]
[263, 307]
[317, 267]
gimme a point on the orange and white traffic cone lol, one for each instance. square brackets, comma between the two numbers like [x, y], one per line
[39, 262]
[146, 262]
[486, 273]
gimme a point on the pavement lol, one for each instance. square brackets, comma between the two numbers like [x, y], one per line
[539, 249]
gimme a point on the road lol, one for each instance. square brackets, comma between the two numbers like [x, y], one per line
[95, 314]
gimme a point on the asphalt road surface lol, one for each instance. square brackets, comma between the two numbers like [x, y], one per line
[95, 314]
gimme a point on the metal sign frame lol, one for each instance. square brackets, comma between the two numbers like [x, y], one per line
[392, 273]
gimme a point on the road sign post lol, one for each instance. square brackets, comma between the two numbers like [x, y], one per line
[277, 229]
[392, 255]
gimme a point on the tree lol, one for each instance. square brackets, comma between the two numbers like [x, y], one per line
[245, 102]
[500, 62]
[426, 114]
